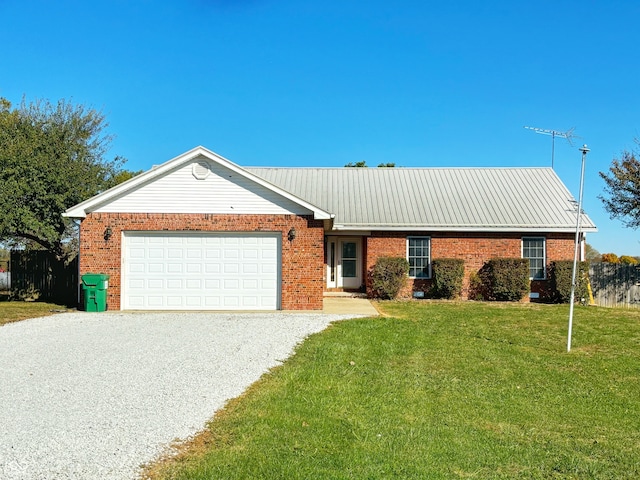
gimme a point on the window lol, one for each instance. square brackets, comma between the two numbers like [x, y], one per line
[418, 254]
[533, 250]
[349, 259]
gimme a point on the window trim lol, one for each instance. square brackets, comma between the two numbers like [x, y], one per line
[421, 237]
[544, 256]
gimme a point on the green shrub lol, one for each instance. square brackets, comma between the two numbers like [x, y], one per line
[388, 276]
[477, 288]
[560, 273]
[447, 277]
[505, 279]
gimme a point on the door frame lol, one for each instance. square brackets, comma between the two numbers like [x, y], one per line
[334, 268]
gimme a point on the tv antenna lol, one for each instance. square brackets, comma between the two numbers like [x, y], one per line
[568, 135]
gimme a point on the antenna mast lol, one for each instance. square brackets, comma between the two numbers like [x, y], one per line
[568, 135]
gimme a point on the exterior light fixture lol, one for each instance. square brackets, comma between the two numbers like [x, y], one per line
[292, 234]
[107, 233]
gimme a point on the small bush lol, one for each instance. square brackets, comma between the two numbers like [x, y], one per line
[477, 288]
[505, 279]
[610, 258]
[560, 273]
[388, 276]
[447, 277]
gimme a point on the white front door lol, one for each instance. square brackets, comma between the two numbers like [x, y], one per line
[344, 262]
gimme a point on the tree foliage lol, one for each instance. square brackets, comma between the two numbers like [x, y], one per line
[360, 164]
[52, 156]
[363, 164]
[592, 254]
[622, 189]
[628, 260]
[610, 258]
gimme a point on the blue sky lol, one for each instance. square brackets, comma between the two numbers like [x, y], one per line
[325, 83]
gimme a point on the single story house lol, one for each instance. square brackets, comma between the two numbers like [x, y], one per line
[200, 232]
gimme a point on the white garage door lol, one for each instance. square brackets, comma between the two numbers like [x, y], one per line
[200, 271]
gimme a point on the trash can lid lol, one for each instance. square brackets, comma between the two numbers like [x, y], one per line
[94, 278]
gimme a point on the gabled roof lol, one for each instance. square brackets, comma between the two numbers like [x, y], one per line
[435, 199]
[198, 153]
[420, 199]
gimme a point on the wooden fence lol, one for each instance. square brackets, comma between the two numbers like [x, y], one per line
[38, 275]
[615, 285]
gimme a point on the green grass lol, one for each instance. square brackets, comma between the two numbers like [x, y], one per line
[16, 311]
[438, 391]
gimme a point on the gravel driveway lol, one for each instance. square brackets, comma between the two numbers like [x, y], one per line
[95, 395]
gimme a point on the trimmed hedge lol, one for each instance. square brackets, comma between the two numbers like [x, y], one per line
[560, 272]
[447, 277]
[388, 276]
[505, 279]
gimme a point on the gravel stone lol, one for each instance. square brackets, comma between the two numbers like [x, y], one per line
[97, 395]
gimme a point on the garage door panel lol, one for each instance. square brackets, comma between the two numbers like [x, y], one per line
[193, 302]
[155, 267]
[212, 268]
[249, 284]
[187, 270]
[231, 268]
[155, 301]
[249, 268]
[174, 268]
[193, 267]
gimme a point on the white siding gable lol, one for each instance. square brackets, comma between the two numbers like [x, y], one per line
[202, 186]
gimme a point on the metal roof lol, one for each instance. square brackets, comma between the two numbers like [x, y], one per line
[463, 199]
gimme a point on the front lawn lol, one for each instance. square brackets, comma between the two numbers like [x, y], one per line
[15, 311]
[438, 391]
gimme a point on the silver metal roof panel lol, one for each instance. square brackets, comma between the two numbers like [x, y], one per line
[462, 199]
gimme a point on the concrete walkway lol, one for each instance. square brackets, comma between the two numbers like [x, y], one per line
[348, 306]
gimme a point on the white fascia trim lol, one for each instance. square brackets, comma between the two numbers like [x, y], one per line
[432, 228]
[81, 210]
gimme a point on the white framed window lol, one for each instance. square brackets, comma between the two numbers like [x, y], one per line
[533, 249]
[419, 257]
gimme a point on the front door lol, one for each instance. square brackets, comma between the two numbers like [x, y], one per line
[344, 262]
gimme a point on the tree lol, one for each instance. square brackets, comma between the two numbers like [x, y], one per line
[628, 260]
[610, 258]
[591, 254]
[623, 189]
[361, 164]
[51, 158]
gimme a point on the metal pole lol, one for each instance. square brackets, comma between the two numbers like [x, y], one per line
[553, 148]
[584, 151]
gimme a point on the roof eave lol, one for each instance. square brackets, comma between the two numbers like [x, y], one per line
[465, 228]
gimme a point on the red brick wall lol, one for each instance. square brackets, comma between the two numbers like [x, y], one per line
[302, 259]
[474, 248]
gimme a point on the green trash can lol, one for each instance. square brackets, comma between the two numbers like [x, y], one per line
[94, 287]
